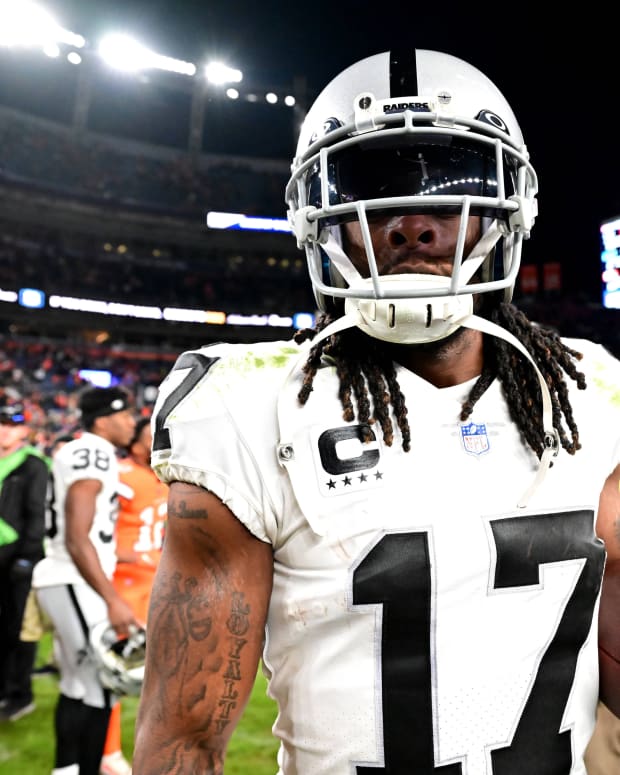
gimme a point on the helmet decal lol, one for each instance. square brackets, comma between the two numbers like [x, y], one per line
[329, 125]
[492, 118]
[403, 73]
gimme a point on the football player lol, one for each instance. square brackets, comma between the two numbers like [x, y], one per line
[74, 581]
[399, 511]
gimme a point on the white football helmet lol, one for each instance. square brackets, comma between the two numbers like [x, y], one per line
[120, 660]
[408, 133]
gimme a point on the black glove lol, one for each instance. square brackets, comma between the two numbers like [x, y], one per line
[21, 569]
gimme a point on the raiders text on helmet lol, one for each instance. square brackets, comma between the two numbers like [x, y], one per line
[397, 107]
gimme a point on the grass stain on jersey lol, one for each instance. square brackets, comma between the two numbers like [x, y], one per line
[608, 387]
[251, 360]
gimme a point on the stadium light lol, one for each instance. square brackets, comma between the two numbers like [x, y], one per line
[51, 50]
[271, 98]
[218, 73]
[24, 23]
[124, 53]
[220, 220]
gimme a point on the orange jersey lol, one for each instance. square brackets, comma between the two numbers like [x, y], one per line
[139, 532]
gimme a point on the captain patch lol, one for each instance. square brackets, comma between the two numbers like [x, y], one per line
[344, 462]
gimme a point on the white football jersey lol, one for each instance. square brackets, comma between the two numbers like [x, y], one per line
[420, 621]
[87, 457]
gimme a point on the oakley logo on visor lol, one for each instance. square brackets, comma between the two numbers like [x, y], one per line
[488, 117]
[328, 126]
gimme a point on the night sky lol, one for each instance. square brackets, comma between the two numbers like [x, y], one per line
[559, 74]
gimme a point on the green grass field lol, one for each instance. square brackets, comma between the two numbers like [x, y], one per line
[27, 745]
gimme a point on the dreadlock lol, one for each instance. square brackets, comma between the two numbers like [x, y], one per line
[366, 370]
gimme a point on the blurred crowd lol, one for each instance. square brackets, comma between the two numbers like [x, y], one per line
[96, 170]
[137, 273]
[45, 378]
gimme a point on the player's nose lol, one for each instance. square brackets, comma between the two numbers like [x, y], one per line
[420, 231]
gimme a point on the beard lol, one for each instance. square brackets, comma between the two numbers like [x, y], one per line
[443, 348]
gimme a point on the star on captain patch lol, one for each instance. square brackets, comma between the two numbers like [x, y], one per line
[475, 439]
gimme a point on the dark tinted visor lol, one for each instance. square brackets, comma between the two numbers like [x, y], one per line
[429, 166]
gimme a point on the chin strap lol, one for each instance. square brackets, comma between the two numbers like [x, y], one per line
[285, 449]
[552, 437]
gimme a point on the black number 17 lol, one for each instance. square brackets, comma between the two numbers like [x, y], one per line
[396, 574]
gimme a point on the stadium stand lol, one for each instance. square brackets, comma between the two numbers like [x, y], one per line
[51, 157]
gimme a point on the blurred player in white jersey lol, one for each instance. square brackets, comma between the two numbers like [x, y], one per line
[399, 510]
[74, 581]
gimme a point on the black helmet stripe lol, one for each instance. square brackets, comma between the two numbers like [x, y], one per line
[403, 73]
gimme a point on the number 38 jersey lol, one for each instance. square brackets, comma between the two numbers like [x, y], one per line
[87, 457]
[421, 621]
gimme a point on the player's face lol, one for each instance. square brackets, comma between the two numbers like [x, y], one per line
[405, 244]
[120, 427]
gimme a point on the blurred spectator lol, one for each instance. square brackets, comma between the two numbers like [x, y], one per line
[45, 376]
[23, 480]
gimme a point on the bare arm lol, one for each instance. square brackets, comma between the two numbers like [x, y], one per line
[79, 516]
[608, 522]
[127, 556]
[608, 528]
[205, 636]
[603, 753]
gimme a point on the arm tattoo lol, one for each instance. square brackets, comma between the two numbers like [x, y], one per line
[180, 509]
[182, 613]
[237, 624]
[199, 660]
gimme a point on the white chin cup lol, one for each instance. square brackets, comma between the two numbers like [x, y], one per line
[410, 320]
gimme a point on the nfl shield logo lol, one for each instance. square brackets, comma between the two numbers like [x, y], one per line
[475, 439]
